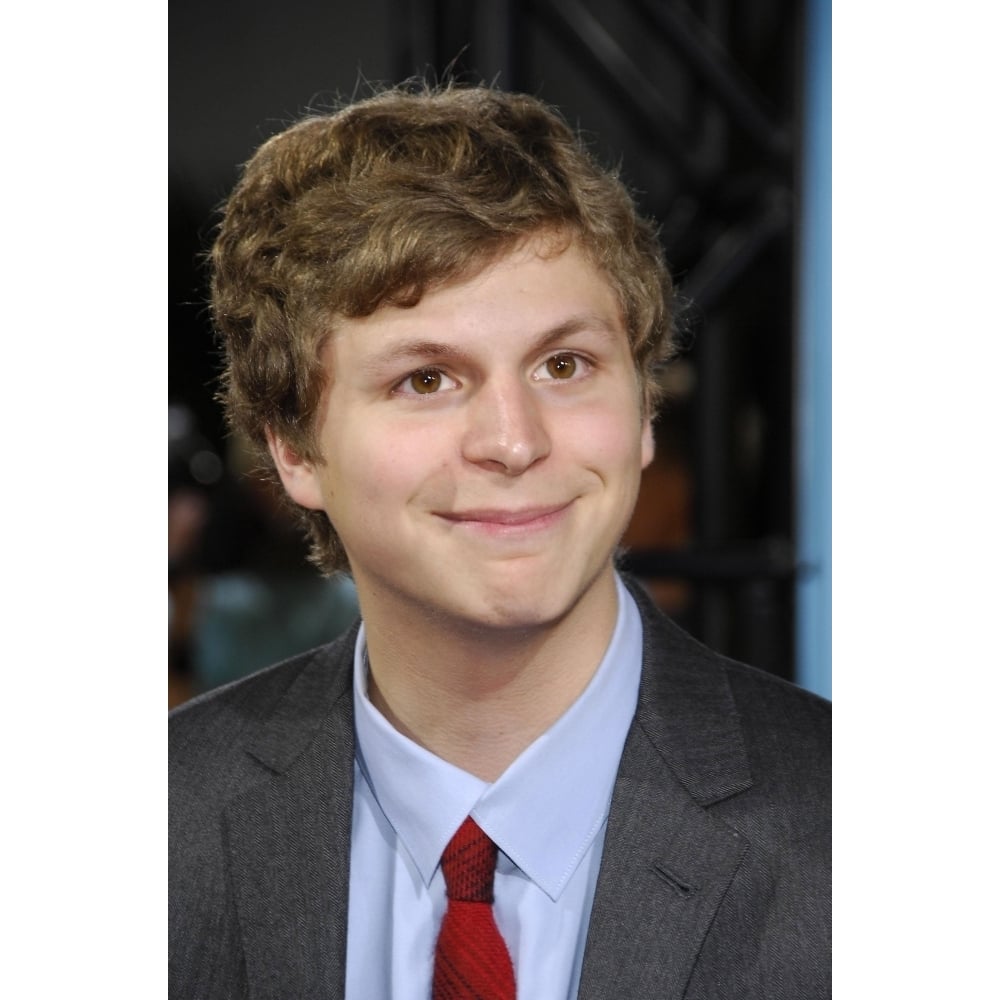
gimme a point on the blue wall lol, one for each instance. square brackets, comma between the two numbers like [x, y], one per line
[814, 478]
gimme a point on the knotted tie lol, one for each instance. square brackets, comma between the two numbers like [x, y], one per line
[471, 961]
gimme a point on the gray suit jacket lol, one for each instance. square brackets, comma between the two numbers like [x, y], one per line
[715, 880]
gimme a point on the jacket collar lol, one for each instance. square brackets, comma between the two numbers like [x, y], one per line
[686, 709]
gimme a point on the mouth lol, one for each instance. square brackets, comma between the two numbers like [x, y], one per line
[506, 521]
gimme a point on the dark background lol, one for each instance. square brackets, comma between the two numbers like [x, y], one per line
[701, 104]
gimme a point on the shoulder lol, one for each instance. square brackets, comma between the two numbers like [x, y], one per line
[734, 732]
[269, 714]
[675, 663]
[781, 721]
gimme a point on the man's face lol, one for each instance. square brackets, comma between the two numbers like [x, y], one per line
[482, 450]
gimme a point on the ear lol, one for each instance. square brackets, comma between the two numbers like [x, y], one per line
[298, 476]
[648, 446]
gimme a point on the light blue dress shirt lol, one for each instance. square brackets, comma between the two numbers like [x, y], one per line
[547, 813]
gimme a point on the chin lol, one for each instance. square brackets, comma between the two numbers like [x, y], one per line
[520, 615]
[527, 605]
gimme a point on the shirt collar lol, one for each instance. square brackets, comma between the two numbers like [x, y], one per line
[546, 809]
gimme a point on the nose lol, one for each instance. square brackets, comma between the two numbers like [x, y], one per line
[505, 430]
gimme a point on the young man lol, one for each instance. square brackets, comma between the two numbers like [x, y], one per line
[515, 777]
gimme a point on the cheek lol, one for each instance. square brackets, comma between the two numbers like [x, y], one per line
[380, 471]
[607, 437]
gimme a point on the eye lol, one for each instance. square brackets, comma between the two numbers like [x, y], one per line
[425, 382]
[561, 366]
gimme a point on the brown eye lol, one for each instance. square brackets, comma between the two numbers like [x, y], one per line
[561, 366]
[426, 381]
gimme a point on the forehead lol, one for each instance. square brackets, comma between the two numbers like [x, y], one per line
[534, 289]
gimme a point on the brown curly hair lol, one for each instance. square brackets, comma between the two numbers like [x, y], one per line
[383, 200]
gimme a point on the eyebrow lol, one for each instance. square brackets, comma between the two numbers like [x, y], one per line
[430, 351]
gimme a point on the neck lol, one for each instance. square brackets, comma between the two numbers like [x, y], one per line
[478, 697]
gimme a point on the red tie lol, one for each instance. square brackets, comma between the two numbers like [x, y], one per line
[471, 961]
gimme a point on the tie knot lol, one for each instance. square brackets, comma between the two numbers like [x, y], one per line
[468, 864]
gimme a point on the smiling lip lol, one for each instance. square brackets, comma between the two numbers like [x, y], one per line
[498, 520]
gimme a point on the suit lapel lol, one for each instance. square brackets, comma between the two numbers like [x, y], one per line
[288, 840]
[667, 861]
[666, 867]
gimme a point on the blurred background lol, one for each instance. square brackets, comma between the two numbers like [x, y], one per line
[718, 113]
